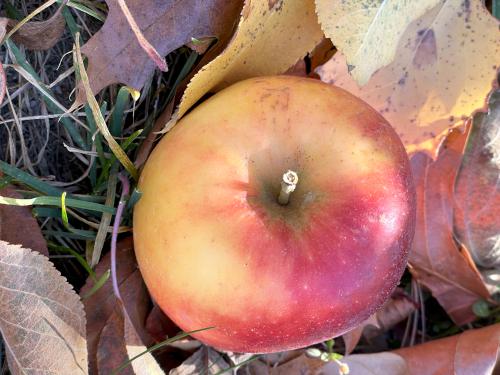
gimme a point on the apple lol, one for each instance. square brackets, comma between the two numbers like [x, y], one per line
[279, 212]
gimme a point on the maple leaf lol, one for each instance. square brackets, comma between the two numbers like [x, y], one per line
[115, 55]
[477, 188]
[431, 85]
[435, 259]
[41, 318]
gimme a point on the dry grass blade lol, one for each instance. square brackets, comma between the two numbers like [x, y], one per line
[41, 318]
[3, 78]
[145, 45]
[99, 119]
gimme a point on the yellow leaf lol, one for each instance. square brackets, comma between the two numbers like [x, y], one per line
[271, 36]
[367, 33]
[443, 70]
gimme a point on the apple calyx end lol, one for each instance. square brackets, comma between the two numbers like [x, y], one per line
[289, 182]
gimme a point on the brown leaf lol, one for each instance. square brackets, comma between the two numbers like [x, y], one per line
[119, 342]
[39, 35]
[115, 55]
[18, 226]
[352, 337]
[41, 318]
[271, 37]
[159, 326]
[477, 188]
[204, 361]
[100, 306]
[475, 351]
[435, 260]
[431, 85]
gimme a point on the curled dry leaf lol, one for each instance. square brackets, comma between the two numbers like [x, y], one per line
[477, 188]
[115, 55]
[41, 318]
[430, 86]
[435, 260]
[355, 27]
[39, 35]
[18, 226]
[475, 351]
[271, 37]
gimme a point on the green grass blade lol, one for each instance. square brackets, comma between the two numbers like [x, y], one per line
[56, 201]
[98, 284]
[29, 180]
[78, 257]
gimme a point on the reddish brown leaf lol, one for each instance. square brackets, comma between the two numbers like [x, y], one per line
[159, 326]
[102, 305]
[477, 188]
[41, 318]
[115, 56]
[352, 337]
[472, 352]
[435, 260]
[18, 226]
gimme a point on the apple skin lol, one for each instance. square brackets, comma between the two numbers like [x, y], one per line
[217, 250]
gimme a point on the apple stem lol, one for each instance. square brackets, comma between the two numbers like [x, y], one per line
[288, 185]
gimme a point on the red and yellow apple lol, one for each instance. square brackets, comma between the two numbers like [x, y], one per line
[217, 248]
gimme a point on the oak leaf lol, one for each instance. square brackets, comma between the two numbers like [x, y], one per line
[115, 55]
[435, 259]
[18, 226]
[41, 318]
[270, 38]
[477, 188]
[431, 85]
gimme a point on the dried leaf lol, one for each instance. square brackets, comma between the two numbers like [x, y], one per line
[204, 361]
[18, 226]
[477, 188]
[271, 37]
[352, 337]
[475, 351]
[39, 35]
[435, 260]
[431, 85]
[114, 54]
[100, 306]
[159, 326]
[41, 318]
[355, 27]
